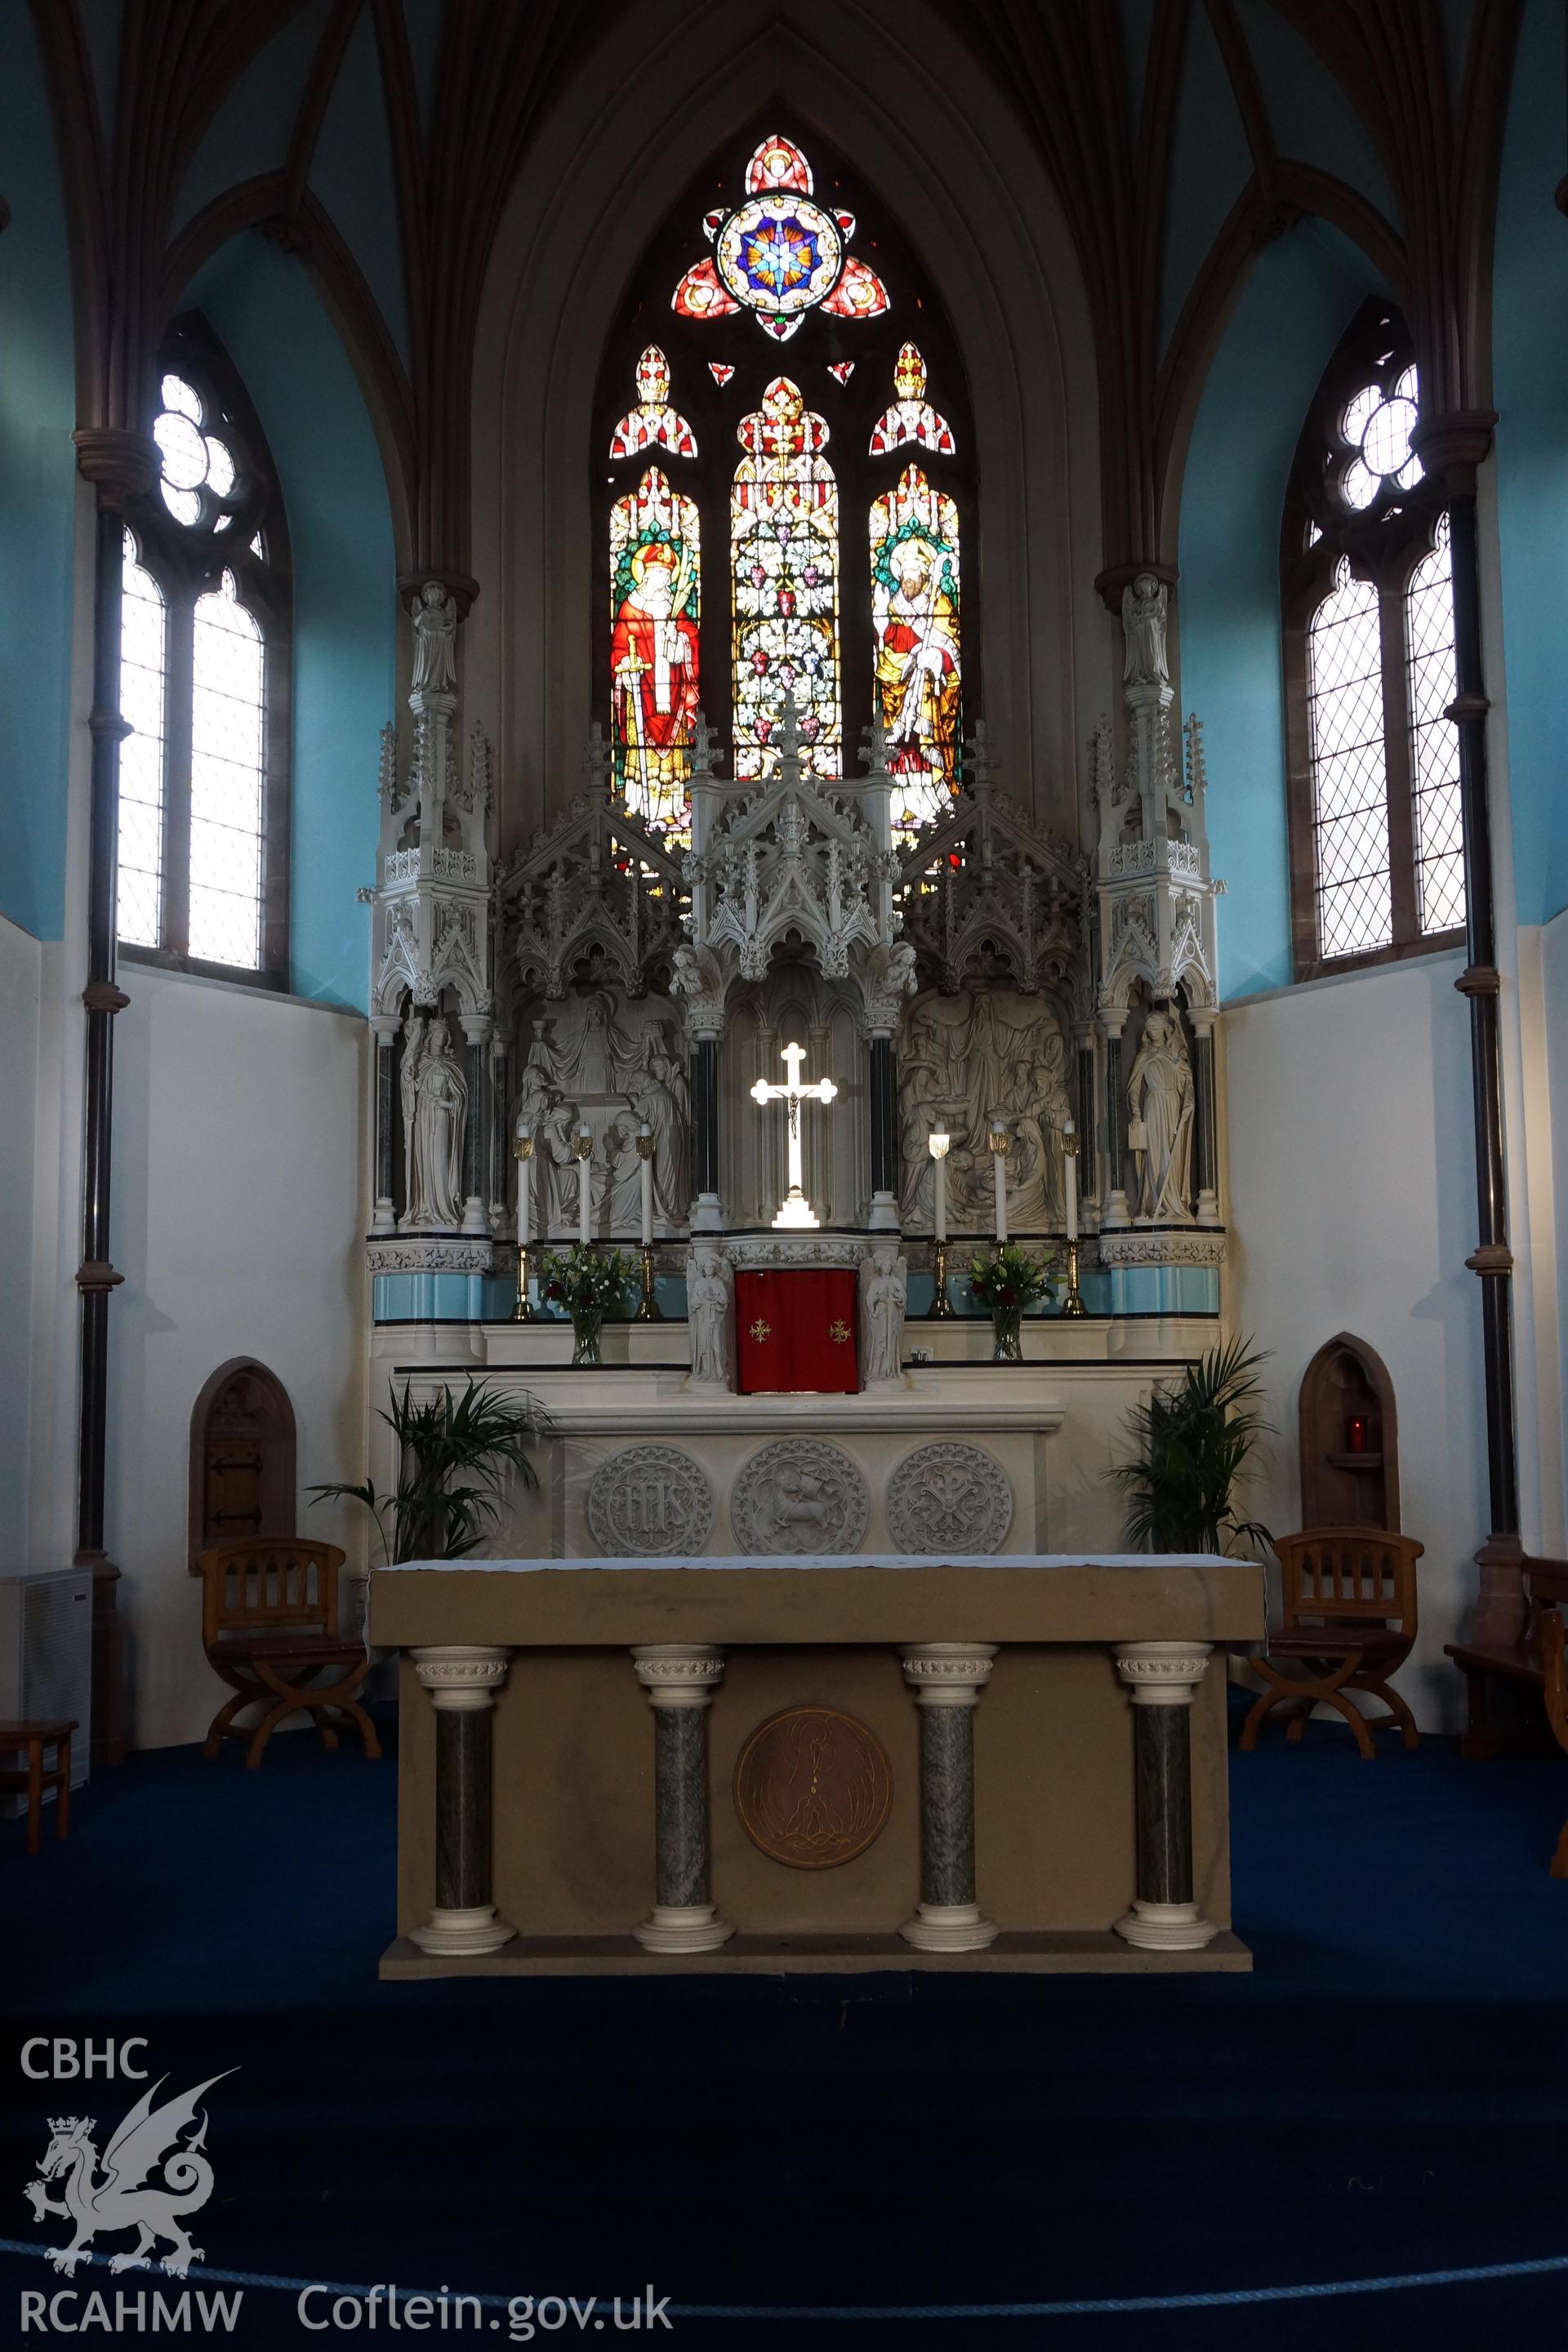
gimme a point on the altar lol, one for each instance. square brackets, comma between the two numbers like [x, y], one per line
[785, 1762]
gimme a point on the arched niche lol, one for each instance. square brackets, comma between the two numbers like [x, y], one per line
[1347, 1483]
[242, 1456]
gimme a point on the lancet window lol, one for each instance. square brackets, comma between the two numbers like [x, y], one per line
[203, 846]
[1377, 864]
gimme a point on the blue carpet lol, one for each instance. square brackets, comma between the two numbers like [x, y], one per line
[1387, 2097]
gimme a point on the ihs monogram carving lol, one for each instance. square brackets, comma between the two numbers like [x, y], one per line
[648, 1502]
[949, 1498]
[800, 1495]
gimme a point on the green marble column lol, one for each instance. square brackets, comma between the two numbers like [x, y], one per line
[947, 1678]
[680, 1681]
[1163, 1680]
[462, 1679]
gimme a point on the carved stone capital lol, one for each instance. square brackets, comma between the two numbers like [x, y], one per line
[948, 1673]
[461, 1678]
[1117, 578]
[120, 465]
[1451, 447]
[679, 1673]
[1163, 1673]
[97, 1274]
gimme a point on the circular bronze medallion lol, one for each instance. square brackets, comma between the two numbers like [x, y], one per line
[813, 1787]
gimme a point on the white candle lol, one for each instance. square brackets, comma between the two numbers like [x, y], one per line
[999, 1170]
[1069, 1170]
[937, 1143]
[645, 1134]
[524, 1186]
[584, 1186]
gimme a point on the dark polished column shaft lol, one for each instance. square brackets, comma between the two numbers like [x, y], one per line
[1206, 1125]
[1115, 1119]
[705, 1116]
[474, 1134]
[947, 1678]
[1088, 1124]
[462, 1680]
[681, 1680]
[1163, 1679]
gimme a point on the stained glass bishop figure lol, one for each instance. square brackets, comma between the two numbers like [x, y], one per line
[796, 1212]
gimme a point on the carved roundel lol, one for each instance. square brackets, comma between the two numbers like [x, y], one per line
[813, 1788]
[949, 1498]
[800, 1495]
[648, 1501]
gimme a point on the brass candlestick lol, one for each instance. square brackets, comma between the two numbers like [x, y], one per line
[651, 1311]
[1072, 1304]
[941, 1303]
[523, 1153]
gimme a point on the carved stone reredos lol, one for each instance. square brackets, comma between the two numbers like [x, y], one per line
[989, 896]
[595, 895]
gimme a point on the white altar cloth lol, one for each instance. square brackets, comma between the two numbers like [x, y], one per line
[892, 1559]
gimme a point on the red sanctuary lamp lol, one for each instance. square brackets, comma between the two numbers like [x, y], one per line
[1355, 1433]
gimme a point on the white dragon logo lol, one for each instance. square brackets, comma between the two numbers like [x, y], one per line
[120, 2199]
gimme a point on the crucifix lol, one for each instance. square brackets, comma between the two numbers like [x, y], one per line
[796, 1210]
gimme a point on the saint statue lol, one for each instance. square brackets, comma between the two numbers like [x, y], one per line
[435, 641]
[707, 1318]
[883, 1284]
[434, 1108]
[1160, 1099]
[559, 1169]
[1144, 631]
[654, 659]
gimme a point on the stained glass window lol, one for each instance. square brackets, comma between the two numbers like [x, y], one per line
[918, 668]
[779, 253]
[142, 661]
[203, 810]
[1377, 424]
[1434, 742]
[653, 424]
[1349, 788]
[654, 647]
[228, 779]
[784, 550]
[910, 419]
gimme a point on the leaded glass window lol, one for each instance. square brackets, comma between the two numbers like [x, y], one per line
[203, 683]
[1377, 862]
[731, 498]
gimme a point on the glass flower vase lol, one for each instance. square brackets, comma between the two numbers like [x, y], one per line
[586, 1330]
[1007, 1333]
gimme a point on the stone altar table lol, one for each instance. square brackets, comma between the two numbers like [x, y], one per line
[880, 1761]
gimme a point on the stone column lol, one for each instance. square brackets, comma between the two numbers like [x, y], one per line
[1205, 1127]
[384, 1027]
[680, 1679]
[883, 1097]
[477, 1030]
[1163, 1679]
[1115, 1133]
[462, 1679]
[1087, 1114]
[947, 1678]
[707, 1214]
[500, 1133]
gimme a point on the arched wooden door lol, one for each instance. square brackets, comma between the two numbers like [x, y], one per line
[242, 1456]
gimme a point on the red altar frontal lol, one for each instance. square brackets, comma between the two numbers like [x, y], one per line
[796, 1331]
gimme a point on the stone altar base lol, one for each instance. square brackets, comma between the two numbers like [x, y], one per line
[1021, 1762]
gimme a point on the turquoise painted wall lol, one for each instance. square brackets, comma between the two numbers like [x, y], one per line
[262, 305]
[1298, 301]
[1530, 354]
[37, 495]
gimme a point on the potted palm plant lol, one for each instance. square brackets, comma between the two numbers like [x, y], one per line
[1193, 1439]
[454, 1454]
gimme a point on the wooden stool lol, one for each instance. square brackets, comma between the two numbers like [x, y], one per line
[35, 1737]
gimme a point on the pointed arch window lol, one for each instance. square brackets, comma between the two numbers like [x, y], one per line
[751, 472]
[1377, 864]
[206, 616]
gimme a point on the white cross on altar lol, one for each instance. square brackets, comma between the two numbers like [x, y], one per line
[796, 1210]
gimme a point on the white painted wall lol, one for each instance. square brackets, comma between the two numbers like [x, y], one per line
[21, 960]
[1352, 1209]
[238, 1147]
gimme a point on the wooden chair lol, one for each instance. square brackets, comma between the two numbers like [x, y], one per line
[31, 1738]
[1505, 1680]
[1350, 1622]
[269, 1614]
